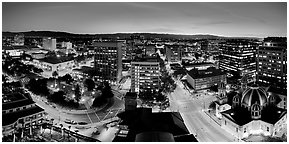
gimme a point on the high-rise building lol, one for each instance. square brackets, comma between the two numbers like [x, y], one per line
[49, 43]
[238, 57]
[272, 63]
[108, 61]
[173, 53]
[145, 74]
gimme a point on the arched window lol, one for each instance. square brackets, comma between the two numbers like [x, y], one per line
[256, 111]
[236, 101]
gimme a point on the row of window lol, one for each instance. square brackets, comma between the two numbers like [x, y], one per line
[17, 109]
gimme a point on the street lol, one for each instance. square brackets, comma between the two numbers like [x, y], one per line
[191, 108]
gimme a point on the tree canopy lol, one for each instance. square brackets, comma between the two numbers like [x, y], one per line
[89, 83]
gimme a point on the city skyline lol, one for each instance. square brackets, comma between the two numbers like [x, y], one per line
[223, 19]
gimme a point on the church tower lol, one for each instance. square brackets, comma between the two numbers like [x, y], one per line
[244, 82]
[222, 97]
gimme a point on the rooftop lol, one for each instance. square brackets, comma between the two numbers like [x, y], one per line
[272, 114]
[239, 116]
[277, 90]
[146, 59]
[210, 72]
[198, 64]
[15, 47]
[242, 116]
[56, 60]
[85, 69]
[131, 95]
[143, 120]
[10, 118]
[15, 100]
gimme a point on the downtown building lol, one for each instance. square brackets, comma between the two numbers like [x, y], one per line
[145, 74]
[108, 61]
[238, 57]
[19, 111]
[201, 79]
[49, 43]
[173, 53]
[272, 63]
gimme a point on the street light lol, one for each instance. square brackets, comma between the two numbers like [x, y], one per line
[51, 127]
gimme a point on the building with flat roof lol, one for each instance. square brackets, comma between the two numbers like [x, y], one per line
[272, 63]
[20, 111]
[238, 57]
[49, 43]
[199, 66]
[55, 63]
[206, 78]
[173, 53]
[130, 101]
[108, 61]
[145, 74]
[141, 125]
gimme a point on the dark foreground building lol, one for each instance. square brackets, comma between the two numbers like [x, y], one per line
[141, 125]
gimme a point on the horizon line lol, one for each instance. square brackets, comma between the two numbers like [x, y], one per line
[185, 34]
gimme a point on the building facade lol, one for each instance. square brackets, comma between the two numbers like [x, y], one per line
[272, 63]
[20, 111]
[254, 111]
[203, 79]
[108, 61]
[238, 57]
[49, 43]
[173, 53]
[145, 74]
[54, 63]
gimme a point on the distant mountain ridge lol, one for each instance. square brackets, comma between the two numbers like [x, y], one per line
[58, 34]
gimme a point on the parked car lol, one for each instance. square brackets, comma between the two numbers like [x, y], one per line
[70, 122]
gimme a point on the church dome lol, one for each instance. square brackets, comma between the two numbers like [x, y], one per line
[254, 94]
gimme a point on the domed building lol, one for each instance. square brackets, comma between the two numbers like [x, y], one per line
[253, 111]
[252, 95]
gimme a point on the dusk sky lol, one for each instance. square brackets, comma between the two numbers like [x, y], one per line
[226, 19]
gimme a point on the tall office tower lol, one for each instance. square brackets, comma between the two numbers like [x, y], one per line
[173, 53]
[19, 39]
[108, 61]
[145, 74]
[272, 62]
[238, 57]
[49, 43]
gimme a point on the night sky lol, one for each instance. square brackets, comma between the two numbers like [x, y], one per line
[226, 19]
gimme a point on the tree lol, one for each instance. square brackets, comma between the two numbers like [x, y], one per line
[37, 70]
[106, 91]
[67, 78]
[77, 93]
[55, 74]
[89, 83]
[57, 97]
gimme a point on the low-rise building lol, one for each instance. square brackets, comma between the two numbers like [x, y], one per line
[254, 111]
[203, 79]
[20, 111]
[54, 63]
